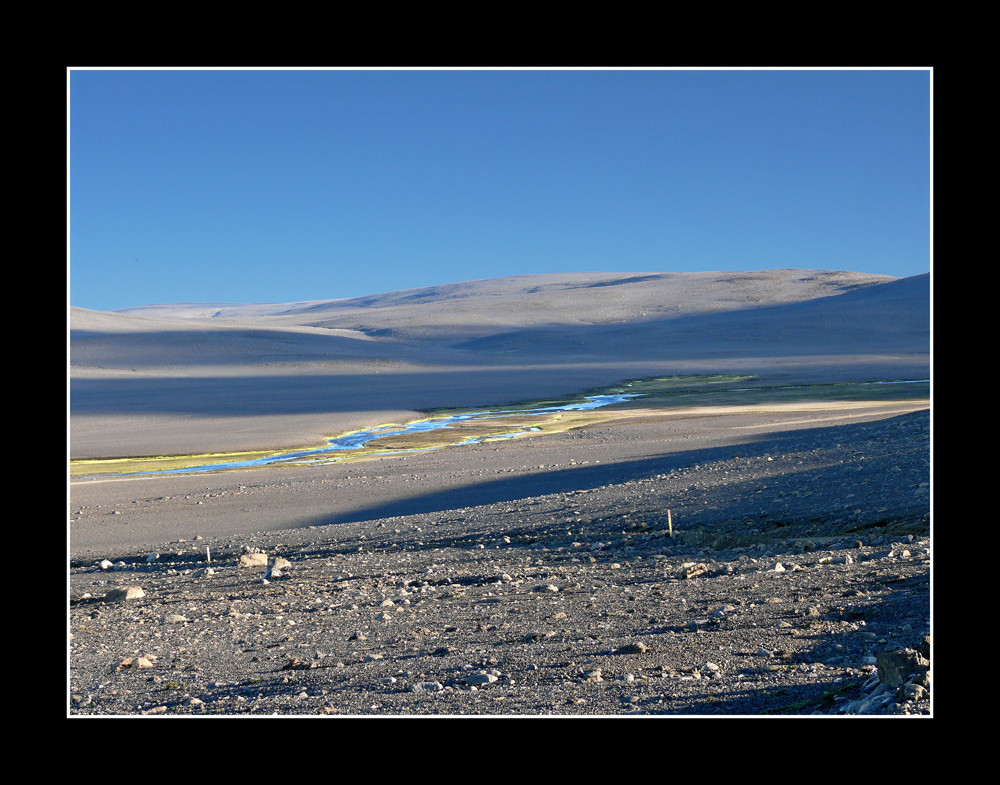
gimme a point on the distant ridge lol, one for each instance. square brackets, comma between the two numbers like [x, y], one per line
[590, 298]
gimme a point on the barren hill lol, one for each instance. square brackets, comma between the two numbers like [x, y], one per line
[193, 377]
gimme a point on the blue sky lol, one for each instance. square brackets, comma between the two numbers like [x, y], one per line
[287, 185]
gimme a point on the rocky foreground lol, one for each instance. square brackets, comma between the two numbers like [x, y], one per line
[791, 577]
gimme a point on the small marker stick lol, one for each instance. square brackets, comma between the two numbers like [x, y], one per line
[208, 553]
[670, 524]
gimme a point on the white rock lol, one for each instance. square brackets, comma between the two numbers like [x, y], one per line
[124, 593]
[253, 560]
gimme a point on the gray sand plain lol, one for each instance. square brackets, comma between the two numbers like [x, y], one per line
[181, 379]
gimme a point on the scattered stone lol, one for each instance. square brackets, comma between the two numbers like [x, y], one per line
[124, 593]
[693, 569]
[138, 662]
[898, 665]
[295, 664]
[253, 560]
[912, 692]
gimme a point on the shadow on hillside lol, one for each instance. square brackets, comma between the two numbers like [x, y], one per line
[152, 349]
[890, 318]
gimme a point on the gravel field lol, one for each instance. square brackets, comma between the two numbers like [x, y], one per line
[796, 581]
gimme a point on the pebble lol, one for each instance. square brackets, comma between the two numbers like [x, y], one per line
[638, 647]
[253, 560]
[125, 593]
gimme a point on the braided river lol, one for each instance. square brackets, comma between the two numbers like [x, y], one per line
[352, 444]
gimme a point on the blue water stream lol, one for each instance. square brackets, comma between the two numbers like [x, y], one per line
[341, 447]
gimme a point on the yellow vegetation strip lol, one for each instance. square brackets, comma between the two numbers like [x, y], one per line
[154, 463]
[493, 430]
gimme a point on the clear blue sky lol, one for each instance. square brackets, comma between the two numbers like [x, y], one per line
[286, 185]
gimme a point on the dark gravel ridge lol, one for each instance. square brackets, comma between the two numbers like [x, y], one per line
[794, 564]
